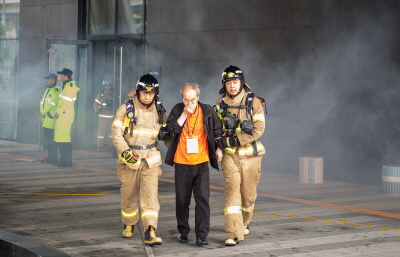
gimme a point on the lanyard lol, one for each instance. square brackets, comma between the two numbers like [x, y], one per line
[194, 125]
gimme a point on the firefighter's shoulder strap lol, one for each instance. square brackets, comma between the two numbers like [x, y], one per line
[130, 110]
[248, 104]
[249, 111]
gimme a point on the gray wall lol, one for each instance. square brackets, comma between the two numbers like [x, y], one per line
[328, 70]
[39, 20]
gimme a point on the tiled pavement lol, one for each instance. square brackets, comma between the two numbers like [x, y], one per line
[76, 211]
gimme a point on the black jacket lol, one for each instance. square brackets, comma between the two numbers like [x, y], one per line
[212, 125]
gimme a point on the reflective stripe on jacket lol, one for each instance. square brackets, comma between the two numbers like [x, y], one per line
[66, 110]
[100, 104]
[246, 140]
[144, 132]
[48, 106]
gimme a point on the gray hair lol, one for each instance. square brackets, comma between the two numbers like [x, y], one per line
[193, 86]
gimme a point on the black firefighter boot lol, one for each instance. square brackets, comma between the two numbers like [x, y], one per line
[150, 237]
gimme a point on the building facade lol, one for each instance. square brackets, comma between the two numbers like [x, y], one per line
[328, 69]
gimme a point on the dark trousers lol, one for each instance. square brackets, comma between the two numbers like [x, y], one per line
[196, 179]
[65, 150]
[51, 145]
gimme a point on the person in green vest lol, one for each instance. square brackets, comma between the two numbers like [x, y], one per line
[65, 117]
[48, 107]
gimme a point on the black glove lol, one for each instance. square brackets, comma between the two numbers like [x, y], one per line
[130, 156]
[247, 127]
[164, 134]
[225, 141]
[230, 121]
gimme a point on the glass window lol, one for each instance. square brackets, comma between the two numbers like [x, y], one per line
[101, 17]
[9, 19]
[130, 16]
[8, 90]
[9, 34]
[110, 17]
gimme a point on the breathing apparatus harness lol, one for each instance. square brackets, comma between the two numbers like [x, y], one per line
[230, 121]
[163, 134]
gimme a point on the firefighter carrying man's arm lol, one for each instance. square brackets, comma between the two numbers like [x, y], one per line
[243, 122]
[137, 126]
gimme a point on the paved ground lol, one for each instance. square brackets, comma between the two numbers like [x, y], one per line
[76, 210]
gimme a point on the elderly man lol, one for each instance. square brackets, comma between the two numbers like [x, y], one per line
[196, 128]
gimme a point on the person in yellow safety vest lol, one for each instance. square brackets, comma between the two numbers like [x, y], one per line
[48, 107]
[242, 152]
[103, 105]
[137, 126]
[65, 117]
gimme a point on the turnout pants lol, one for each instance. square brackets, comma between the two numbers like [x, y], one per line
[104, 132]
[196, 179]
[143, 182]
[51, 145]
[241, 177]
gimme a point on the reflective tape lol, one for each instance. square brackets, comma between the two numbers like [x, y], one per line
[232, 210]
[129, 214]
[97, 101]
[106, 116]
[141, 132]
[154, 159]
[48, 100]
[248, 209]
[258, 117]
[68, 98]
[245, 150]
[150, 213]
[118, 124]
[230, 150]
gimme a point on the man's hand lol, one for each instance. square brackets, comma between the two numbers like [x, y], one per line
[130, 156]
[56, 115]
[218, 152]
[189, 109]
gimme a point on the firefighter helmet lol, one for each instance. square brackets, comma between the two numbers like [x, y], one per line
[147, 83]
[107, 82]
[233, 72]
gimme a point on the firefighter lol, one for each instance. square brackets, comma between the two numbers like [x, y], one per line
[137, 126]
[48, 107]
[65, 117]
[103, 105]
[243, 122]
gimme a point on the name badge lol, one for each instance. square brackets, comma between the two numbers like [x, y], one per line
[192, 145]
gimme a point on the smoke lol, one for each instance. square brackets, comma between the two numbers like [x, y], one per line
[331, 91]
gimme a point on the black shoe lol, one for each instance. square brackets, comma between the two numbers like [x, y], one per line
[183, 238]
[201, 240]
[64, 164]
[50, 161]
